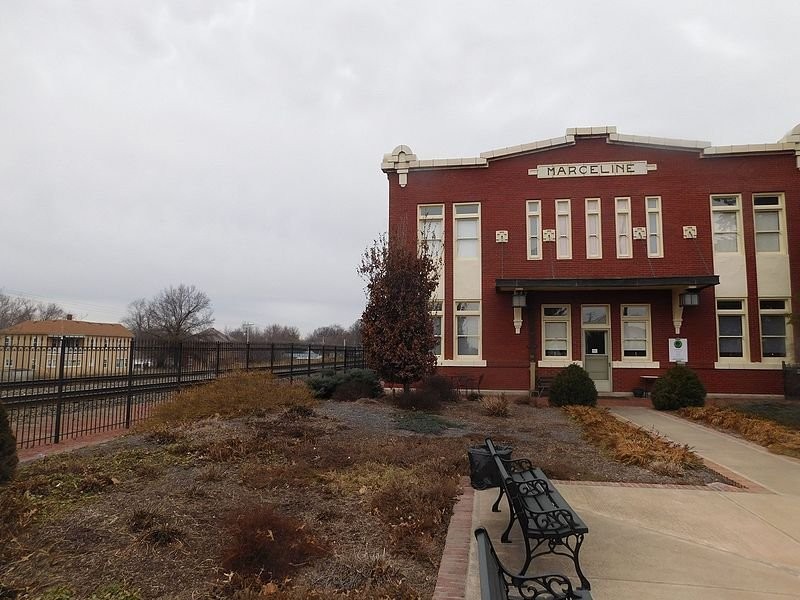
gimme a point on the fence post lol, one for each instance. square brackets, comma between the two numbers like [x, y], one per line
[308, 361]
[323, 357]
[271, 356]
[216, 365]
[180, 362]
[59, 397]
[247, 357]
[129, 399]
[291, 362]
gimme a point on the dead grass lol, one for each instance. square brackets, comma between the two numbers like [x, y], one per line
[776, 438]
[179, 511]
[243, 393]
[633, 445]
[496, 406]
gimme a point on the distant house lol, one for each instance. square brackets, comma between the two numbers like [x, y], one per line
[212, 335]
[33, 349]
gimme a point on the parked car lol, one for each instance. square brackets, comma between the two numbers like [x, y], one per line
[305, 355]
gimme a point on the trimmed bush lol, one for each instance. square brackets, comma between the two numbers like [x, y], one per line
[572, 386]
[678, 388]
[347, 385]
[439, 386]
[8, 448]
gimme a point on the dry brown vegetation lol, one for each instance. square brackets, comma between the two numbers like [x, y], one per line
[253, 489]
[496, 406]
[633, 445]
[776, 438]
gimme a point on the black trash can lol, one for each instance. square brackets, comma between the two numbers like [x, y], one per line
[482, 470]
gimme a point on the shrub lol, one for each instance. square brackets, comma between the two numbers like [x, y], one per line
[265, 544]
[572, 386]
[439, 386]
[496, 406]
[417, 400]
[677, 388]
[8, 448]
[349, 385]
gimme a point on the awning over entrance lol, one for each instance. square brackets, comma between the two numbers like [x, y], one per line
[610, 283]
[684, 290]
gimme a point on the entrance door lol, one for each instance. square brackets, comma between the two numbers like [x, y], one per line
[596, 359]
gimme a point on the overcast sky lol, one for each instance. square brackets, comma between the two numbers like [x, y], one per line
[236, 146]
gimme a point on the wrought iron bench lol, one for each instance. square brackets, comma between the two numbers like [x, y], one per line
[542, 386]
[549, 525]
[496, 579]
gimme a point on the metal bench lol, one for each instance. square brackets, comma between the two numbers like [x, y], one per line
[542, 386]
[549, 525]
[496, 580]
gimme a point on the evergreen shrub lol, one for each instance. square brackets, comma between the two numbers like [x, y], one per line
[677, 388]
[572, 385]
[8, 448]
[346, 385]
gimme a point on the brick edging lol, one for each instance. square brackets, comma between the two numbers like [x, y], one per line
[451, 581]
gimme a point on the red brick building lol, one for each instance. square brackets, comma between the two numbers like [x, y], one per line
[621, 253]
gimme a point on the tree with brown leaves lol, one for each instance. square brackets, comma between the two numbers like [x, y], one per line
[396, 327]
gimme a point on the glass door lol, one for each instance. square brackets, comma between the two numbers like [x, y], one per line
[596, 350]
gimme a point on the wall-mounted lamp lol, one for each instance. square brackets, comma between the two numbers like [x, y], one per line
[518, 301]
[690, 298]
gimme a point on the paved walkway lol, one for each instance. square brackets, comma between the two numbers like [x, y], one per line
[658, 543]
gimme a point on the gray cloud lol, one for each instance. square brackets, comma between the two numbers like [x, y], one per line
[236, 145]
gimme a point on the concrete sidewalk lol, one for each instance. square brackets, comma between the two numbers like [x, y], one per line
[657, 543]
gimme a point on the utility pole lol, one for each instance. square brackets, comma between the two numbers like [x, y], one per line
[246, 325]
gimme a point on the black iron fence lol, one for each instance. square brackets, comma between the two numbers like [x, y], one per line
[67, 390]
[791, 381]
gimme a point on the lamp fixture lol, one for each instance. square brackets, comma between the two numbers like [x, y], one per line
[689, 298]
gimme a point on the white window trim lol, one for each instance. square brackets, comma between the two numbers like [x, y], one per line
[462, 358]
[781, 210]
[628, 231]
[528, 215]
[422, 220]
[734, 360]
[737, 210]
[648, 357]
[477, 217]
[599, 213]
[561, 232]
[440, 315]
[659, 233]
[556, 360]
[788, 331]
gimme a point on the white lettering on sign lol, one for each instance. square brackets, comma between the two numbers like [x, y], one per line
[599, 169]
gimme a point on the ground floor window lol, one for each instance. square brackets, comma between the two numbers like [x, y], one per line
[437, 316]
[731, 328]
[468, 329]
[635, 331]
[555, 331]
[773, 328]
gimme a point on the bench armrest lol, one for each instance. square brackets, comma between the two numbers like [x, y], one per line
[546, 586]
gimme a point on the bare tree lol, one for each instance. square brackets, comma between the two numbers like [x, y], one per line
[329, 334]
[275, 333]
[173, 315]
[396, 327]
[15, 310]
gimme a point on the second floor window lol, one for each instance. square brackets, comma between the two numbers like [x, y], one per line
[623, 216]
[725, 223]
[430, 228]
[534, 229]
[767, 211]
[594, 247]
[655, 247]
[563, 229]
[467, 230]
